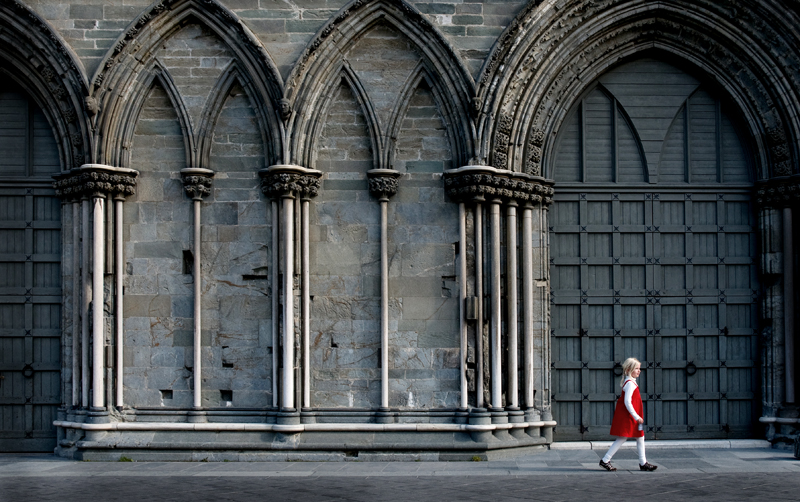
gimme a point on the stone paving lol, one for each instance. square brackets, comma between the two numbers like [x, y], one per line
[688, 473]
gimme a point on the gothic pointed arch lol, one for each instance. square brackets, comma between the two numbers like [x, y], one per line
[419, 77]
[38, 59]
[319, 67]
[351, 80]
[232, 76]
[547, 55]
[124, 72]
[158, 75]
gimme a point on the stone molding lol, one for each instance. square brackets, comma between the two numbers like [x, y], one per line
[197, 182]
[284, 180]
[323, 64]
[252, 68]
[547, 55]
[478, 183]
[95, 180]
[39, 60]
[383, 183]
[778, 192]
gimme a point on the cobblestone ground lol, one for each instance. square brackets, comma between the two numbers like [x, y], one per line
[683, 474]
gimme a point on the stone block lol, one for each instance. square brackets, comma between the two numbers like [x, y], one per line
[410, 358]
[162, 249]
[147, 306]
[86, 11]
[429, 339]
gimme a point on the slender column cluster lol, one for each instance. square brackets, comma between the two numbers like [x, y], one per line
[505, 191]
[777, 198]
[383, 184]
[287, 183]
[93, 184]
[197, 184]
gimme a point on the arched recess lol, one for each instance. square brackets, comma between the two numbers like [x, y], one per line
[36, 57]
[204, 139]
[124, 73]
[652, 245]
[158, 75]
[320, 66]
[350, 79]
[547, 55]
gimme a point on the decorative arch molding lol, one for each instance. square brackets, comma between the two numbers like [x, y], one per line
[35, 56]
[158, 75]
[126, 72]
[320, 65]
[548, 55]
[204, 138]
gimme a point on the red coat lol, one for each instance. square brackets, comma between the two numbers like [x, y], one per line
[623, 424]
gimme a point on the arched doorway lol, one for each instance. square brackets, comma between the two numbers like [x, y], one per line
[30, 275]
[652, 246]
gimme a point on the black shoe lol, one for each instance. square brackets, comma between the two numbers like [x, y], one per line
[607, 466]
[648, 467]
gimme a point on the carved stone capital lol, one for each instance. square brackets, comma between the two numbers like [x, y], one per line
[479, 183]
[285, 180]
[95, 180]
[778, 192]
[383, 183]
[197, 182]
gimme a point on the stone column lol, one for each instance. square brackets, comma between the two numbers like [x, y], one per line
[383, 183]
[287, 182]
[197, 184]
[86, 299]
[496, 307]
[95, 182]
[512, 399]
[788, 303]
[462, 300]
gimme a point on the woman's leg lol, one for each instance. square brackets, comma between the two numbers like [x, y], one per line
[614, 447]
[640, 449]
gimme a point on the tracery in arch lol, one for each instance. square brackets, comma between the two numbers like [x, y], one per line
[649, 121]
[203, 48]
[547, 55]
[39, 60]
[356, 43]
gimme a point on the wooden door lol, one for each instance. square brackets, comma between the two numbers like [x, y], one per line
[653, 262]
[30, 277]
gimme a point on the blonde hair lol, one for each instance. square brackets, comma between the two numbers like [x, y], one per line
[627, 368]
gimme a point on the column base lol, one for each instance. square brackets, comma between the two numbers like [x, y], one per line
[384, 416]
[308, 416]
[517, 416]
[196, 416]
[96, 416]
[480, 416]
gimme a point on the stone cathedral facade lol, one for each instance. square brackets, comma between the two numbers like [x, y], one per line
[326, 229]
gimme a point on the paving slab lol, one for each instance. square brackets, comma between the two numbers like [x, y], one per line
[683, 474]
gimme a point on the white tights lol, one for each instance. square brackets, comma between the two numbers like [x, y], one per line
[620, 440]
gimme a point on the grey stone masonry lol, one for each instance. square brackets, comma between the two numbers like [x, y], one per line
[371, 264]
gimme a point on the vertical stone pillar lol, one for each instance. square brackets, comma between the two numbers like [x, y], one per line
[479, 314]
[546, 193]
[197, 184]
[528, 303]
[512, 396]
[462, 300]
[789, 304]
[96, 182]
[86, 299]
[286, 183]
[383, 184]
[496, 307]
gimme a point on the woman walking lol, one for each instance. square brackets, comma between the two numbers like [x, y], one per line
[628, 421]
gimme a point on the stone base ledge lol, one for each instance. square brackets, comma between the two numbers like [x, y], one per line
[199, 445]
[666, 444]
